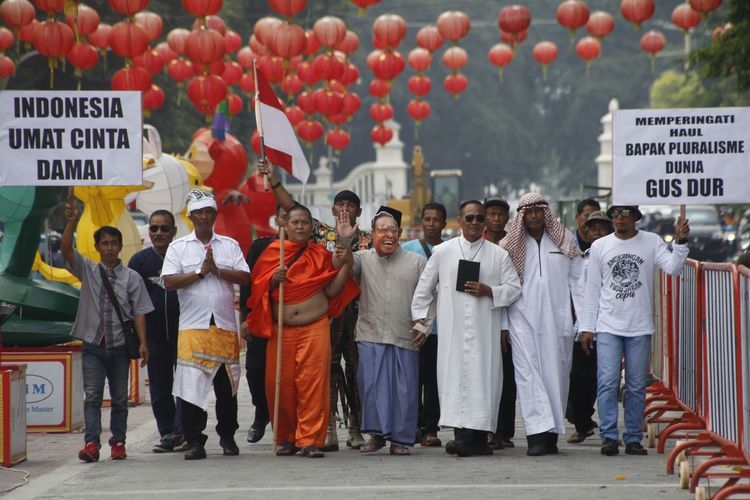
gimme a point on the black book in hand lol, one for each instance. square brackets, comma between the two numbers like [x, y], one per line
[468, 270]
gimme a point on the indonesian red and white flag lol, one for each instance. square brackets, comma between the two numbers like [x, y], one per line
[281, 144]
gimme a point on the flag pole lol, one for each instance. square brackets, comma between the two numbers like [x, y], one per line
[279, 338]
[259, 122]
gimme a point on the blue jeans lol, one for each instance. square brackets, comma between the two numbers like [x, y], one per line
[98, 364]
[610, 350]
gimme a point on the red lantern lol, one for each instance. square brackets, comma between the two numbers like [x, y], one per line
[288, 8]
[132, 78]
[310, 131]
[588, 48]
[128, 7]
[572, 14]
[215, 23]
[653, 42]
[26, 33]
[349, 44]
[199, 8]
[545, 52]
[180, 70]
[232, 42]
[514, 19]
[429, 38]
[389, 30]
[379, 88]
[328, 102]
[53, 39]
[364, 4]
[307, 74]
[381, 134]
[7, 66]
[295, 115]
[83, 56]
[86, 20]
[177, 38]
[263, 28]
[287, 41]
[455, 84]
[128, 39]
[705, 6]
[151, 60]
[272, 68]
[512, 39]
[205, 92]
[6, 39]
[204, 46]
[455, 58]
[419, 85]
[685, 18]
[232, 72]
[153, 98]
[50, 6]
[235, 104]
[306, 102]
[380, 112]
[167, 55]
[500, 55]
[352, 103]
[329, 30]
[453, 25]
[328, 67]
[291, 84]
[418, 110]
[245, 57]
[151, 22]
[388, 65]
[338, 139]
[637, 11]
[100, 37]
[17, 13]
[419, 59]
[313, 45]
[247, 84]
[600, 24]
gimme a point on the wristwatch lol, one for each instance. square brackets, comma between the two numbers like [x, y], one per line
[199, 273]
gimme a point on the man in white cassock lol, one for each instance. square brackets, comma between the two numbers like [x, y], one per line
[540, 323]
[469, 362]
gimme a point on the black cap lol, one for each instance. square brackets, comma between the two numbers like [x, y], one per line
[494, 201]
[346, 195]
[392, 212]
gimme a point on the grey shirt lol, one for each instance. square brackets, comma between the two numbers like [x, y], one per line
[387, 286]
[96, 318]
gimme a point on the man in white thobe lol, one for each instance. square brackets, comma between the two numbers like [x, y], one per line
[540, 323]
[469, 363]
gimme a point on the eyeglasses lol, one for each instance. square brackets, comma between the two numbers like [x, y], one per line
[471, 217]
[165, 228]
[625, 212]
[386, 230]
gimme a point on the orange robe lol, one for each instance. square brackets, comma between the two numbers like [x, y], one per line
[306, 349]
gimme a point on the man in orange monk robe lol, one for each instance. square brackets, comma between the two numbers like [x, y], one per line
[314, 290]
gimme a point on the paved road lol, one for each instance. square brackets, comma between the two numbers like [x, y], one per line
[579, 472]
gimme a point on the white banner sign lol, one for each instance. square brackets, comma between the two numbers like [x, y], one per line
[681, 156]
[70, 138]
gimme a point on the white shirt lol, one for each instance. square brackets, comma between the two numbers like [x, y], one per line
[209, 296]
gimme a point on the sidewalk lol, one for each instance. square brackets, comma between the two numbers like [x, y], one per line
[578, 472]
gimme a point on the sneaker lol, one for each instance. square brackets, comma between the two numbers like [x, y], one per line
[609, 447]
[90, 452]
[355, 441]
[179, 443]
[165, 445]
[430, 439]
[118, 451]
[635, 449]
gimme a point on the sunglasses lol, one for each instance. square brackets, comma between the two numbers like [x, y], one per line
[624, 213]
[165, 228]
[471, 217]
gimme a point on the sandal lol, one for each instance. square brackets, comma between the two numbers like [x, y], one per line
[286, 449]
[311, 452]
[397, 449]
[373, 444]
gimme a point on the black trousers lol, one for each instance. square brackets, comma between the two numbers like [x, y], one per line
[194, 419]
[582, 388]
[506, 417]
[343, 345]
[255, 372]
[429, 404]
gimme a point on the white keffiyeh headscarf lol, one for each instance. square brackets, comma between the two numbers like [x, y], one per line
[515, 241]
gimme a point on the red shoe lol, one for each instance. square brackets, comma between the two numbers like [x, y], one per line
[118, 451]
[90, 452]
